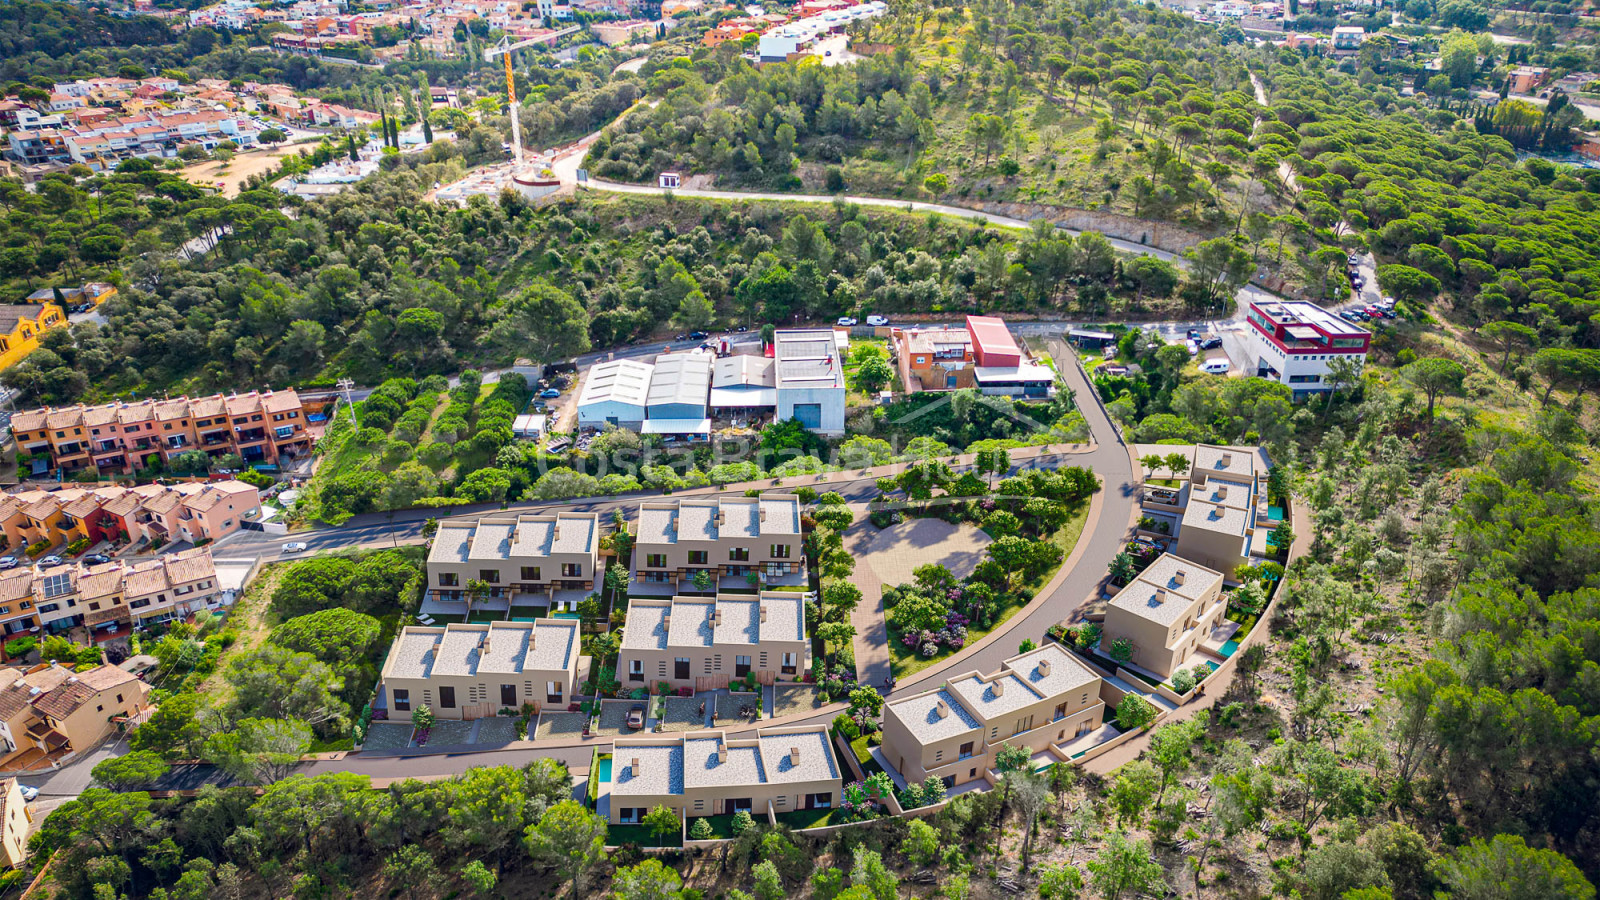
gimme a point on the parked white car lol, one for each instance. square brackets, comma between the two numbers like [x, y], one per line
[846, 321]
[1215, 367]
[295, 547]
[877, 320]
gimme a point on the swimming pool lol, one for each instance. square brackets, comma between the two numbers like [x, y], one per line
[1229, 648]
[1274, 514]
[605, 768]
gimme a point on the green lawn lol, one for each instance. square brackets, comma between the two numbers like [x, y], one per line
[808, 818]
[907, 661]
[869, 766]
[617, 835]
[721, 826]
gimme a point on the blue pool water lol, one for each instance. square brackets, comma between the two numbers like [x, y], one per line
[1229, 649]
[524, 618]
[1213, 664]
[605, 768]
[1275, 514]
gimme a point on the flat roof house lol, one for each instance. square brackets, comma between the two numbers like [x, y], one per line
[1225, 517]
[614, 393]
[468, 671]
[982, 355]
[705, 773]
[810, 379]
[524, 559]
[703, 642]
[1041, 700]
[1166, 613]
[729, 538]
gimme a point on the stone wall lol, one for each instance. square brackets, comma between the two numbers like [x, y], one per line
[1161, 235]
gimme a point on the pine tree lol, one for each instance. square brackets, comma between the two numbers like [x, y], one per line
[427, 131]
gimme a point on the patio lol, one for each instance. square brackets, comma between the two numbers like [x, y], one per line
[682, 714]
[560, 725]
[1094, 738]
[729, 704]
[496, 730]
[1220, 637]
[790, 699]
[614, 717]
[387, 736]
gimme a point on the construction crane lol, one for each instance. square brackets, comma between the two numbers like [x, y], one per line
[505, 48]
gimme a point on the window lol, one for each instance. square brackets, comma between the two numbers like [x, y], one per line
[1304, 379]
[119, 698]
[788, 667]
[819, 801]
[655, 560]
[449, 579]
[636, 670]
[552, 692]
[741, 666]
[572, 570]
[738, 554]
[698, 557]
[966, 751]
[680, 667]
[139, 604]
[490, 575]
[402, 700]
[283, 431]
[1024, 724]
[780, 551]
[530, 573]
[1061, 710]
[447, 697]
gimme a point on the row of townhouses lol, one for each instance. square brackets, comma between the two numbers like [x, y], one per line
[706, 773]
[102, 141]
[54, 710]
[202, 511]
[114, 594]
[120, 437]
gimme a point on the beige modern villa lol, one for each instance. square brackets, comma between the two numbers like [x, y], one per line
[527, 559]
[729, 538]
[1166, 613]
[1042, 700]
[703, 642]
[470, 671]
[704, 773]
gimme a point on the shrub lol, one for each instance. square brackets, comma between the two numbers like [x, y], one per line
[1122, 650]
[22, 646]
[742, 822]
[1182, 681]
[77, 546]
[38, 548]
[700, 830]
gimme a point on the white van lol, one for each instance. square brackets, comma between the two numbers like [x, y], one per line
[1215, 367]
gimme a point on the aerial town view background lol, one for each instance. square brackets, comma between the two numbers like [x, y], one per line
[667, 449]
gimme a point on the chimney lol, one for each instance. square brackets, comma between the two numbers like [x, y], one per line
[794, 756]
[1178, 576]
[941, 709]
[721, 516]
[1159, 597]
[555, 533]
[713, 615]
[722, 753]
[1226, 459]
[1222, 492]
[1044, 668]
[763, 513]
[666, 621]
[763, 612]
[998, 686]
[633, 768]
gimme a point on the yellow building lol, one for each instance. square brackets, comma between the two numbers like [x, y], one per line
[20, 327]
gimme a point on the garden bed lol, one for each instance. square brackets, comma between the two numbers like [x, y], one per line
[721, 826]
[863, 752]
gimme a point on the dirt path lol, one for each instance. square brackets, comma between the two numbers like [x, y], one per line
[249, 617]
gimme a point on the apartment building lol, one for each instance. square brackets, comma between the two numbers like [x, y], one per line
[1166, 613]
[52, 709]
[729, 538]
[261, 426]
[705, 773]
[469, 671]
[21, 326]
[1226, 518]
[114, 594]
[1293, 342]
[1041, 700]
[194, 512]
[703, 642]
[526, 559]
[16, 821]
